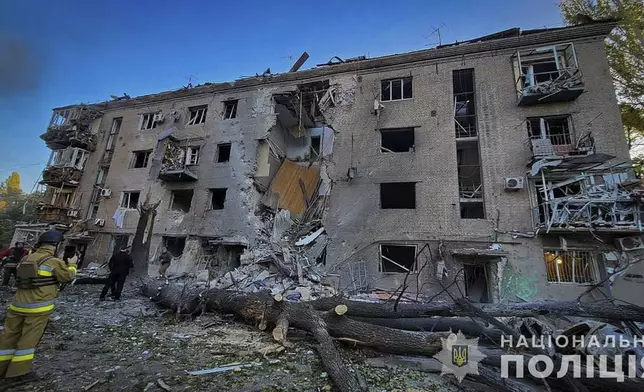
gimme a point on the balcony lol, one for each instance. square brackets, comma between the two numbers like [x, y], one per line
[72, 127]
[65, 167]
[56, 214]
[175, 165]
[547, 74]
[592, 192]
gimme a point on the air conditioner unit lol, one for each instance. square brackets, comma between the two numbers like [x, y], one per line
[106, 192]
[159, 117]
[630, 243]
[99, 222]
[513, 183]
[72, 213]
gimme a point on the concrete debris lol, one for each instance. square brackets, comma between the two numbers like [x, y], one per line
[281, 223]
[226, 368]
[309, 238]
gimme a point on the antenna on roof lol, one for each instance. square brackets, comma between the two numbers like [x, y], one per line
[437, 31]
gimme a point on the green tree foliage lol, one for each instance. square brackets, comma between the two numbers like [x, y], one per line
[625, 51]
[15, 207]
[624, 46]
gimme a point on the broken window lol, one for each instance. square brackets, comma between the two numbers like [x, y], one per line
[140, 159]
[472, 210]
[547, 74]
[101, 176]
[476, 282]
[114, 131]
[223, 152]
[396, 89]
[398, 258]
[130, 200]
[230, 109]
[556, 129]
[217, 198]
[147, 121]
[397, 140]
[464, 105]
[192, 155]
[570, 266]
[315, 145]
[60, 118]
[174, 245]
[197, 115]
[469, 171]
[61, 197]
[92, 212]
[398, 195]
[181, 200]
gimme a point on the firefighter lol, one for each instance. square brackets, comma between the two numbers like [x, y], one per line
[38, 277]
[11, 257]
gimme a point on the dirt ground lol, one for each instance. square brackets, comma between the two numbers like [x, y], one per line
[131, 344]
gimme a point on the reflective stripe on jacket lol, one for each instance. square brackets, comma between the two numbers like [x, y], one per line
[39, 300]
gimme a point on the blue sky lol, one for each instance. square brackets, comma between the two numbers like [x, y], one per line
[55, 53]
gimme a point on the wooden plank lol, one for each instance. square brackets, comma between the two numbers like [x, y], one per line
[286, 189]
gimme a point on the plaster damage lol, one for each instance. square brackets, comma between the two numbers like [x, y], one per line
[401, 172]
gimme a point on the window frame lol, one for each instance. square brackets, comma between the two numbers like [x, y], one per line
[564, 254]
[233, 113]
[414, 268]
[210, 201]
[386, 184]
[114, 131]
[230, 150]
[402, 88]
[197, 113]
[128, 195]
[143, 121]
[188, 155]
[146, 159]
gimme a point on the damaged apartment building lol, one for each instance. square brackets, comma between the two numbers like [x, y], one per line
[498, 162]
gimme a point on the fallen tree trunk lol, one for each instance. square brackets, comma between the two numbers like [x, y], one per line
[526, 309]
[263, 309]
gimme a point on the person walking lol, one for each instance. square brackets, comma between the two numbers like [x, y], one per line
[120, 265]
[10, 259]
[38, 277]
[165, 258]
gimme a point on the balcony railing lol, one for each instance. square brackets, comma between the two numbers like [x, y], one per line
[547, 74]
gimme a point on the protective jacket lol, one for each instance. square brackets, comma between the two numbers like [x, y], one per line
[52, 270]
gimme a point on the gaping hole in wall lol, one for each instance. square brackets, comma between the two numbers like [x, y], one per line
[223, 152]
[476, 282]
[217, 198]
[569, 266]
[472, 210]
[174, 245]
[398, 258]
[230, 109]
[311, 93]
[181, 200]
[220, 257]
[140, 159]
[315, 146]
[398, 195]
[397, 140]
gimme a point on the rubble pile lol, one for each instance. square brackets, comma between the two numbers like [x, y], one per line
[284, 261]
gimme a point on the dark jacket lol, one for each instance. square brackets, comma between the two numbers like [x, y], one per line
[120, 264]
[165, 258]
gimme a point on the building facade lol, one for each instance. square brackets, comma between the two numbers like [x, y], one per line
[498, 162]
